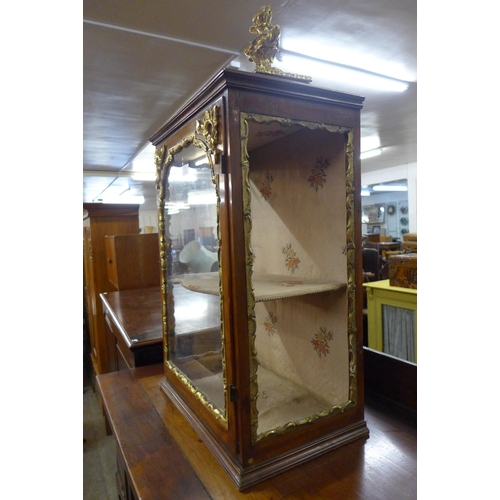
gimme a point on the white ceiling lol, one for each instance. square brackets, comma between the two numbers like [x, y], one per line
[143, 60]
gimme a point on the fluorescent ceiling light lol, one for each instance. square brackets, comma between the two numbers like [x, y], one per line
[364, 192]
[335, 72]
[133, 200]
[143, 176]
[369, 142]
[381, 187]
[370, 154]
[347, 56]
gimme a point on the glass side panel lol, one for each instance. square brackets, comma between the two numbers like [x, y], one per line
[194, 339]
[297, 197]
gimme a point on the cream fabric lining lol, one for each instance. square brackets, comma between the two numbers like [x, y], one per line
[294, 218]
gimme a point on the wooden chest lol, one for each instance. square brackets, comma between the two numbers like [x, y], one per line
[403, 270]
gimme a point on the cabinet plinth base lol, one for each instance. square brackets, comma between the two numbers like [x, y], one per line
[245, 477]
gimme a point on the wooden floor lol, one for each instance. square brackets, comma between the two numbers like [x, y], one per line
[383, 467]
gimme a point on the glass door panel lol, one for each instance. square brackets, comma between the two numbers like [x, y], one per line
[194, 340]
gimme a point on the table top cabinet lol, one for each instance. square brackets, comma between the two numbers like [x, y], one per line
[263, 326]
[134, 323]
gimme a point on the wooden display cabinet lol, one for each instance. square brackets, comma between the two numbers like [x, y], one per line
[99, 220]
[133, 261]
[263, 329]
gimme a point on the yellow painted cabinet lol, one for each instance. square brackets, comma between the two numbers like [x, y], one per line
[392, 319]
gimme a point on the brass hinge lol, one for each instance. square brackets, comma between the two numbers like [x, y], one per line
[223, 164]
[233, 393]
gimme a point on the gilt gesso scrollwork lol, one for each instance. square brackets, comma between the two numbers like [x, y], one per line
[245, 120]
[206, 138]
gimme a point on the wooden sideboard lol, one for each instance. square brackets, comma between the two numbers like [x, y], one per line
[133, 323]
[100, 220]
[159, 455]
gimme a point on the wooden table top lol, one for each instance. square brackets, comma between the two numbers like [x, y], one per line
[392, 245]
[386, 285]
[167, 459]
[137, 314]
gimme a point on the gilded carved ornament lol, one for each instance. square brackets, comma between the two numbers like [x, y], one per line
[265, 46]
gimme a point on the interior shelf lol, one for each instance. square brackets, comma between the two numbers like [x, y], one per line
[266, 286]
[281, 402]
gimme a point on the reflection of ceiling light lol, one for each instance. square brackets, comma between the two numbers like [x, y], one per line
[202, 197]
[381, 187]
[176, 205]
[182, 174]
[364, 192]
[190, 313]
[201, 161]
[370, 154]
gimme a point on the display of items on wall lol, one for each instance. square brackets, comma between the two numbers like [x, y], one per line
[383, 218]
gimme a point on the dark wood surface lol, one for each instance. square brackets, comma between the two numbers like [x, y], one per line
[383, 246]
[392, 378]
[162, 456]
[134, 318]
[138, 313]
[150, 464]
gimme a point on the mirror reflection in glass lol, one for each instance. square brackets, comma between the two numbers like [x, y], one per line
[193, 297]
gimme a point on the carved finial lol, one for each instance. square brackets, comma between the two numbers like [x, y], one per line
[265, 45]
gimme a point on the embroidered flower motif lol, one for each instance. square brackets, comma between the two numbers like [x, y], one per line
[266, 190]
[291, 260]
[318, 175]
[270, 324]
[320, 341]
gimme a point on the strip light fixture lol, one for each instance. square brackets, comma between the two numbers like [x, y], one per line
[340, 73]
[370, 153]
